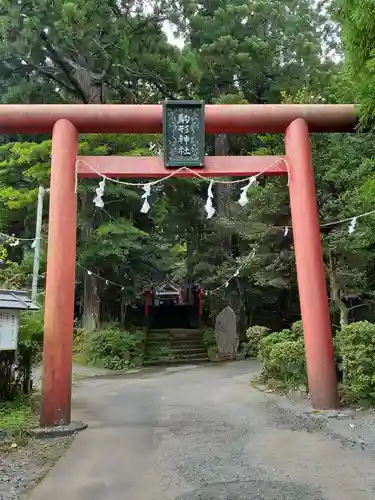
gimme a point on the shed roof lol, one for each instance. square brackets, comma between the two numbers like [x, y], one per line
[16, 299]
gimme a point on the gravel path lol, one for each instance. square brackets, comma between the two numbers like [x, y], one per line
[79, 372]
[23, 467]
[205, 434]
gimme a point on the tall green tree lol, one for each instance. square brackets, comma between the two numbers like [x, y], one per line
[96, 52]
[124, 244]
[90, 52]
[258, 48]
[251, 52]
[357, 20]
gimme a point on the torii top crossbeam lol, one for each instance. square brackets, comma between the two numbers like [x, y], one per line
[147, 118]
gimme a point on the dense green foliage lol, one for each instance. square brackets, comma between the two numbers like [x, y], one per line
[122, 54]
[287, 364]
[116, 349]
[356, 346]
[31, 336]
[87, 52]
[357, 19]
[254, 335]
[282, 355]
[209, 339]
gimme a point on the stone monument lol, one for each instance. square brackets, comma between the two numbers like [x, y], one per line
[226, 334]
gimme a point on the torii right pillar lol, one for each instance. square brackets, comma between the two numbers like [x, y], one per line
[321, 371]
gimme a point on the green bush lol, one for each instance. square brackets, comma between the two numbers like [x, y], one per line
[29, 351]
[80, 344]
[282, 355]
[209, 338]
[254, 335]
[116, 349]
[287, 364]
[30, 343]
[267, 343]
[356, 348]
[297, 330]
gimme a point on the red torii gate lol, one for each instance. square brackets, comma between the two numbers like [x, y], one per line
[67, 121]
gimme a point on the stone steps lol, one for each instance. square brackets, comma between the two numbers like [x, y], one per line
[176, 333]
[194, 348]
[179, 361]
[177, 345]
[173, 341]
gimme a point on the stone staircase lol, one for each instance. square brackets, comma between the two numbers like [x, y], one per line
[175, 346]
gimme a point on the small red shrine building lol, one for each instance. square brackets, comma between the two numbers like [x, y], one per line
[169, 305]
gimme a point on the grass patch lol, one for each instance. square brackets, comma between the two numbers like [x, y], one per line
[17, 417]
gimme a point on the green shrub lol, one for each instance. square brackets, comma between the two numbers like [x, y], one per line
[267, 343]
[80, 344]
[30, 340]
[29, 351]
[356, 348]
[209, 338]
[116, 349]
[254, 335]
[283, 358]
[297, 330]
[287, 364]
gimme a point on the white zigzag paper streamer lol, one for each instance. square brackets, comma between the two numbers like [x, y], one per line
[210, 209]
[244, 200]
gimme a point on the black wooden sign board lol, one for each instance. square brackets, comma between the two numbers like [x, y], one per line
[183, 133]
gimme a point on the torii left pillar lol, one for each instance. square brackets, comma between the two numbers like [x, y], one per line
[59, 303]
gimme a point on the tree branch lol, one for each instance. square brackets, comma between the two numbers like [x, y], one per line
[65, 67]
[52, 76]
[366, 304]
[115, 9]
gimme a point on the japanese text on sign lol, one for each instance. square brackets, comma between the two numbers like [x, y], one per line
[184, 135]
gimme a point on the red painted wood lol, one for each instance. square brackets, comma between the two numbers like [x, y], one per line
[153, 166]
[223, 118]
[59, 303]
[310, 271]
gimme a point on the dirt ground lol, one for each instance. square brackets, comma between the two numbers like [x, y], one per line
[22, 468]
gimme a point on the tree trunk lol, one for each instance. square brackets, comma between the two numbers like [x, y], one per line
[224, 191]
[242, 324]
[90, 314]
[224, 194]
[91, 302]
[91, 309]
[92, 89]
[124, 310]
[335, 294]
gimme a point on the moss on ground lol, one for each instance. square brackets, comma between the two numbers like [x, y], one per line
[17, 417]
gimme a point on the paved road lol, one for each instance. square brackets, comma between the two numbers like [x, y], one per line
[202, 434]
[79, 371]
